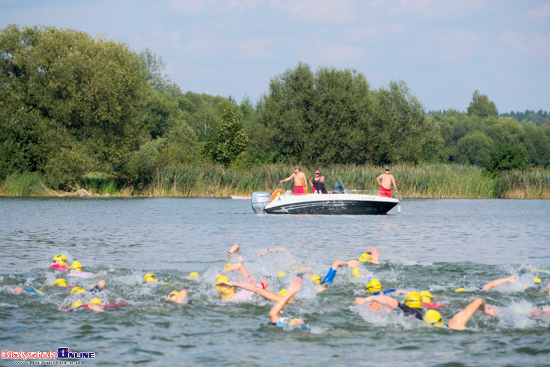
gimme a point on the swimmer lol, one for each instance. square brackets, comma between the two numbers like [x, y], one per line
[96, 287]
[178, 297]
[427, 301]
[411, 306]
[370, 256]
[59, 262]
[94, 304]
[149, 278]
[540, 312]
[235, 250]
[275, 312]
[458, 322]
[335, 265]
[375, 288]
[493, 283]
[258, 289]
[28, 292]
[75, 270]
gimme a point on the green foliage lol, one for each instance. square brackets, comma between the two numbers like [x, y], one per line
[474, 148]
[142, 164]
[538, 118]
[23, 184]
[507, 157]
[228, 141]
[482, 106]
[65, 168]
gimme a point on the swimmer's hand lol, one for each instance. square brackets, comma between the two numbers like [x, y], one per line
[262, 252]
[226, 284]
[490, 310]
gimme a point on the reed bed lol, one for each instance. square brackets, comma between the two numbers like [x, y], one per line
[421, 182]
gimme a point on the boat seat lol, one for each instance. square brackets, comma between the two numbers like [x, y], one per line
[338, 187]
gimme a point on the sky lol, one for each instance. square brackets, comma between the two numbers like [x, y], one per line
[443, 50]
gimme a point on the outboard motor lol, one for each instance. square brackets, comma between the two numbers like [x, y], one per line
[338, 187]
[259, 200]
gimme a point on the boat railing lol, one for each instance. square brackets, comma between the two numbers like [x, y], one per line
[396, 195]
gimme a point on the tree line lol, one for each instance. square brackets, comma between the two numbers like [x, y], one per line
[75, 107]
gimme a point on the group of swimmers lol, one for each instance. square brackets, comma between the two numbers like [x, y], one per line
[417, 305]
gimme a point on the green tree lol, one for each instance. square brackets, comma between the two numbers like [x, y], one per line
[228, 141]
[474, 148]
[90, 92]
[482, 106]
[507, 157]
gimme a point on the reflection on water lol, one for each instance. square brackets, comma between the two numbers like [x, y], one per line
[435, 245]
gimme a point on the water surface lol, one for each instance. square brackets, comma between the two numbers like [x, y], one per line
[435, 245]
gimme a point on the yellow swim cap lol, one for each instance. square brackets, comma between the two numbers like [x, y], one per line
[227, 265]
[60, 258]
[281, 274]
[460, 290]
[413, 300]
[364, 258]
[296, 322]
[77, 304]
[194, 274]
[175, 293]
[227, 292]
[221, 278]
[316, 279]
[358, 273]
[76, 266]
[433, 317]
[283, 292]
[60, 282]
[149, 278]
[40, 293]
[537, 280]
[77, 290]
[426, 297]
[95, 300]
[374, 286]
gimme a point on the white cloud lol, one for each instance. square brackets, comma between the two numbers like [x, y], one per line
[375, 32]
[541, 12]
[533, 45]
[260, 48]
[319, 11]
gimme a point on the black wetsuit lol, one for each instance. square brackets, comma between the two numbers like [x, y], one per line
[409, 311]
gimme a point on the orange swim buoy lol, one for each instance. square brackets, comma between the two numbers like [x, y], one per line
[276, 193]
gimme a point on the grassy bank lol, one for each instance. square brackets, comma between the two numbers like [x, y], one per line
[434, 181]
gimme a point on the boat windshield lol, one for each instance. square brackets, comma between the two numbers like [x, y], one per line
[338, 187]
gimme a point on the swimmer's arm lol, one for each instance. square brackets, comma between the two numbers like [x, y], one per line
[100, 283]
[458, 322]
[383, 300]
[181, 297]
[247, 286]
[96, 307]
[374, 255]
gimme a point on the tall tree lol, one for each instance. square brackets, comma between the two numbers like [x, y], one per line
[482, 106]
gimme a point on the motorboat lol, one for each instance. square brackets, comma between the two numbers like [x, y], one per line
[340, 201]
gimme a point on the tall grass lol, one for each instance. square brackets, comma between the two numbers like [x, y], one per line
[432, 181]
[25, 184]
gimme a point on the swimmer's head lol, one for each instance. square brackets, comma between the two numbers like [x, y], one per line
[374, 286]
[76, 266]
[281, 274]
[173, 295]
[434, 318]
[227, 265]
[77, 290]
[77, 304]
[149, 277]
[59, 258]
[358, 273]
[459, 290]
[95, 300]
[296, 322]
[537, 280]
[413, 300]
[193, 274]
[316, 279]
[282, 292]
[426, 297]
[227, 292]
[60, 282]
[221, 278]
[364, 258]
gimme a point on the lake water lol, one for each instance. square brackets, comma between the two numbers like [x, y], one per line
[435, 245]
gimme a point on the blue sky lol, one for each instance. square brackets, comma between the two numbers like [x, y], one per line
[443, 49]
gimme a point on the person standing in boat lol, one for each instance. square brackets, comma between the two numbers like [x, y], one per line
[300, 181]
[385, 180]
